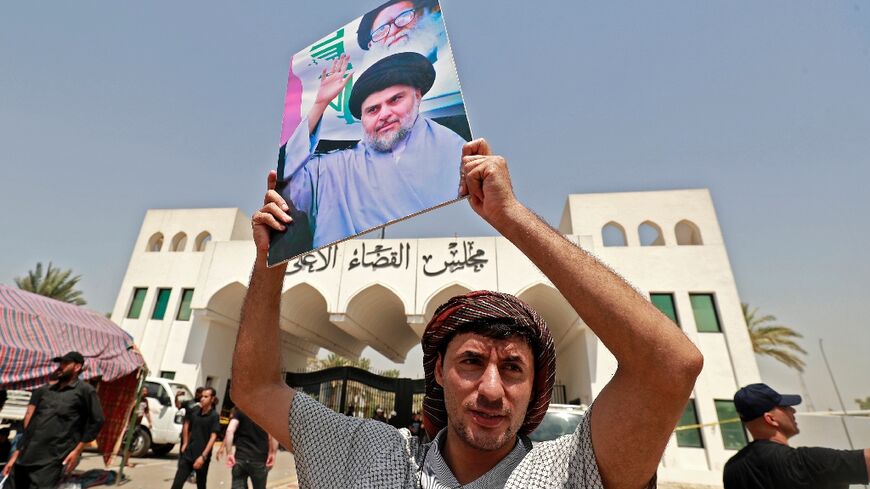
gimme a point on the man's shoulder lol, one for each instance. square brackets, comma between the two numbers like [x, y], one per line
[85, 387]
[757, 451]
[212, 413]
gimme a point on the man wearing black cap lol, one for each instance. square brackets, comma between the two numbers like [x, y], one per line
[403, 165]
[489, 361]
[769, 463]
[66, 416]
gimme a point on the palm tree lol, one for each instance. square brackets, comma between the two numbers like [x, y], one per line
[54, 283]
[334, 360]
[774, 340]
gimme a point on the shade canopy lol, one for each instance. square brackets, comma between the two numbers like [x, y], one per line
[34, 329]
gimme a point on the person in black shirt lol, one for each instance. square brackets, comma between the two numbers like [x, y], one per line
[5, 445]
[254, 454]
[65, 416]
[201, 427]
[769, 463]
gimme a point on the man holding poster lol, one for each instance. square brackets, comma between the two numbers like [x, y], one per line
[489, 362]
[403, 165]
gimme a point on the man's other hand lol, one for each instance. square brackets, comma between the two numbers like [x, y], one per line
[231, 460]
[485, 179]
[71, 461]
[273, 215]
[270, 461]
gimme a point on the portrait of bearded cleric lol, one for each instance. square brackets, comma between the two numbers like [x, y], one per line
[373, 129]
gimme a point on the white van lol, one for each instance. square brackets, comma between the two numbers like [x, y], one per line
[167, 418]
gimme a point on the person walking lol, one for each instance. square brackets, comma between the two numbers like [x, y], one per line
[199, 433]
[254, 453]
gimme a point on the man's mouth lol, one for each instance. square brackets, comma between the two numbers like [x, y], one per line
[487, 420]
[388, 127]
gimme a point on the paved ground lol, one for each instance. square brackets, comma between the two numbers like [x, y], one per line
[158, 472]
[155, 472]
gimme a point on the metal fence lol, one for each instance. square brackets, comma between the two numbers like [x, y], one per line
[357, 392]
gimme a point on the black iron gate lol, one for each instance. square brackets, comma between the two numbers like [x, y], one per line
[357, 392]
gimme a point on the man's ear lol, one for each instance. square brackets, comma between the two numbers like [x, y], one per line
[438, 373]
[770, 419]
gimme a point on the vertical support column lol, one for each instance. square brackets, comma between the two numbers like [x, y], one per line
[404, 400]
[342, 406]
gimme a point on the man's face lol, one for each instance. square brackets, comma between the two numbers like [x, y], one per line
[784, 416]
[393, 24]
[388, 115]
[207, 399]
[66, 370]
[487, 388]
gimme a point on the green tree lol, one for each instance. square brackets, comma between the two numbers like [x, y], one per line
[334, 360]
[774, 340]
[863, 403]
[54, 283]
[394, 373]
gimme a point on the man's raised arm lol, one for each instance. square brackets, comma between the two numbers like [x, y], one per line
[636, 412]
[258, 389]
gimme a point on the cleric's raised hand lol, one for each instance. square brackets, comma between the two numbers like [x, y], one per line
[273, 215]
[333, 80]
[487, 182]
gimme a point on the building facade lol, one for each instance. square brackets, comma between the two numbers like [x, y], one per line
[189, 269]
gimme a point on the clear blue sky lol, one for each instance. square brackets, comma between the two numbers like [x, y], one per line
[108, 109]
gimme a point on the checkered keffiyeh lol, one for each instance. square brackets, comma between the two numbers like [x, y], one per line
[477, 306]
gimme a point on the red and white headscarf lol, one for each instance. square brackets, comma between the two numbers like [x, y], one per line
[487, 306]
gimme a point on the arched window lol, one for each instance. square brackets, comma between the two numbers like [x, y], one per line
[688, 233]
[613, 234]
[650, 234]
[155, 242]
[201, 240]
[179, 241]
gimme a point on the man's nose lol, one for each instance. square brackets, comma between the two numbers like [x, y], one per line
[491, 387]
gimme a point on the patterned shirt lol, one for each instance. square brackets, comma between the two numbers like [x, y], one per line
[333, 450]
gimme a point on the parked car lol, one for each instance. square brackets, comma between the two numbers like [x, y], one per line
[168, 419]
[561, 419]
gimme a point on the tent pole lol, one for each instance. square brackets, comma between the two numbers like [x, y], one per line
[128, 438]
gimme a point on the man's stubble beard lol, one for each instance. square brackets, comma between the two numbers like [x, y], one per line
[386, 142]
[487, 442]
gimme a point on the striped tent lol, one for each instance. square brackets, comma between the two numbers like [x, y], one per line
[34, 329]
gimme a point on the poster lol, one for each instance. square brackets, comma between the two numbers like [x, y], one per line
[373, 127]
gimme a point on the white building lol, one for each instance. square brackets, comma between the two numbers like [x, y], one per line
[187, 277]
